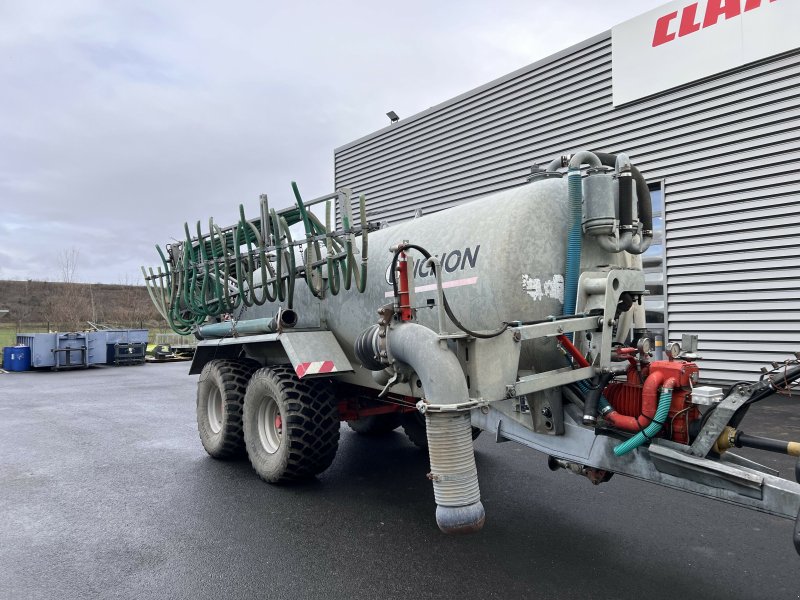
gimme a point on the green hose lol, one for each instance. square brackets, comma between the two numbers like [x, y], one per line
[280, 291]
[292, 267]
[198, 299]
[313, 253]
[664, 402]
[361, 280]
[231, 303]
[255, 244]
[198, 275]
[333, 265]
[165, 263]
[188, 262]
[241, 274]
[216, 291]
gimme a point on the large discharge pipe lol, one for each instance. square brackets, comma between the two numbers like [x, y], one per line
[453, 471]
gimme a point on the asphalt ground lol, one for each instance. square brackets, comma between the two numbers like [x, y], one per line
[106, 492]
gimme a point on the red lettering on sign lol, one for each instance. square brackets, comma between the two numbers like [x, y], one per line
[662, 34]
[689, 23]
[718, 8]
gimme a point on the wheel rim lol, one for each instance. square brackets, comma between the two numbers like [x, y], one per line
[270, 425]
[215, 410]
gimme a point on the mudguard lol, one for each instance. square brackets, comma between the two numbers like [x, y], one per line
[312, 353]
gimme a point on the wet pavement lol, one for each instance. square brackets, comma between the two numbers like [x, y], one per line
[106, 492]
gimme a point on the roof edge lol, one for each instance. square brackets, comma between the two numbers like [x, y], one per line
[521, 71]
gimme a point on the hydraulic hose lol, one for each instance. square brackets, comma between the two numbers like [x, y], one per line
[593, 398]
[664, 402]
[447, 308]
[573, 351]
[764, 388]
[578, 359]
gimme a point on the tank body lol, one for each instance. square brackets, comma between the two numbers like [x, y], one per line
[503, 259]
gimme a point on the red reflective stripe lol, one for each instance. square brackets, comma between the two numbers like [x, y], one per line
[313, 368]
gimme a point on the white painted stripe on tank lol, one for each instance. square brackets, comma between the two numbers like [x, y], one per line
[445, 285]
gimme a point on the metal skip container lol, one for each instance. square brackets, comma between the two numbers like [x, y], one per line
[62, 350]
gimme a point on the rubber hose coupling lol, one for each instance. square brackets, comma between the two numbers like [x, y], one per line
[367, 349]
[453, 472]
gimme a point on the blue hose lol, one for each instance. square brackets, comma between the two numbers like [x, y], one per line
[664, 402]
[574, 242]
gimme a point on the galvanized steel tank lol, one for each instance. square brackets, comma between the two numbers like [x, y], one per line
[503, 259]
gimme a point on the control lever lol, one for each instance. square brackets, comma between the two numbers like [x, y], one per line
[393, 381]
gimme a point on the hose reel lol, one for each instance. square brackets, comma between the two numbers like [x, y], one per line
[253, 262]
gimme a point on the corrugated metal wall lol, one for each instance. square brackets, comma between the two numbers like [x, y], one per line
[727, 150]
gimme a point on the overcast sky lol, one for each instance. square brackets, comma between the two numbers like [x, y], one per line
[121, 120]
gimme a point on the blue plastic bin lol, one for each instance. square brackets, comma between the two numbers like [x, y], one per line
[17, 358]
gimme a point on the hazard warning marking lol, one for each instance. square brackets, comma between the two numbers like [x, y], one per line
[315, 368]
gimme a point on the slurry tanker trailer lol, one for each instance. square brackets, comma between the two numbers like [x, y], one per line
[511, 314]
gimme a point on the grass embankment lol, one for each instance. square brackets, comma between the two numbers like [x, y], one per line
[42, 306]
[8, 335]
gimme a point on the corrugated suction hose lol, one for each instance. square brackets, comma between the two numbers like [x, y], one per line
[453, 472]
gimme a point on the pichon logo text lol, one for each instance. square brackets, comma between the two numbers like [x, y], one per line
[454, 260]
[692, 19]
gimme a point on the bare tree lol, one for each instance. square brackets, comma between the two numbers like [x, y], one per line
[70, 305]
[68, 264]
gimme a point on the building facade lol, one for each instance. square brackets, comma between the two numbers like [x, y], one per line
[722, 155]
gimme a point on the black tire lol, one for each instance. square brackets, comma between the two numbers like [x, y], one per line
[416, 431]
[220, 397]
[291, 426]
[375, 425]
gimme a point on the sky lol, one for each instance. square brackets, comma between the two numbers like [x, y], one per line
[119, 121]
